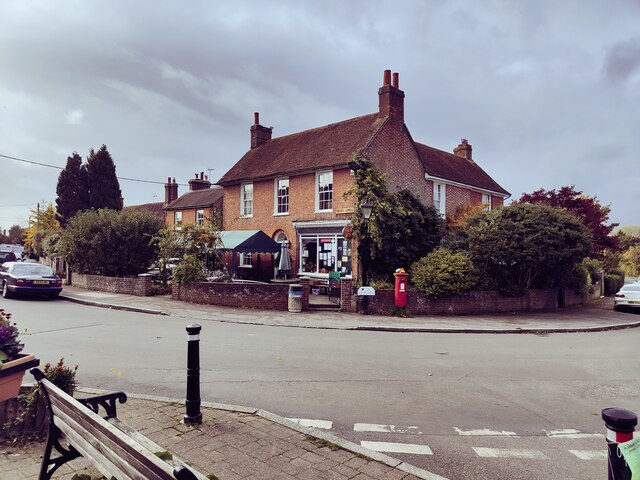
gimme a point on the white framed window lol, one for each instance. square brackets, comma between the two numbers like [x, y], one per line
[199, 217]
[246, 200]
[439, 197]
[324, 191]
[246, 260]
[281, 196]
[177, 218]
[486, 201]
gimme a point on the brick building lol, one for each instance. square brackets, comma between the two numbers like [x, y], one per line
[292, 187]
[202, 201]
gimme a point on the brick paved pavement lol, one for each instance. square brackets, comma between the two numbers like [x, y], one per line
[230, 445]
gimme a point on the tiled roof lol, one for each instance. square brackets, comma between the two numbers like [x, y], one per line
[324, 147]
[457, 169]
[153, 208]
[197, 198]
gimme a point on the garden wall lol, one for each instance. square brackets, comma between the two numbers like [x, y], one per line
[466, 303]
[139, 286]
[245, 295]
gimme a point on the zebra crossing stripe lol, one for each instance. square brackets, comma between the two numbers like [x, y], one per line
[571, 433]
[374, 427]
[397, 447]
[308, 422]
[508, 453]
[589, 454]
[484, 432]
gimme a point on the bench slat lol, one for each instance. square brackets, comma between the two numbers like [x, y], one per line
[97, 440]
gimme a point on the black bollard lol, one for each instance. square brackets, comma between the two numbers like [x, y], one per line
[620, 426]
[193, 414]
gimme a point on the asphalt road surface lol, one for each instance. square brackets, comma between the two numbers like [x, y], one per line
[459, 405]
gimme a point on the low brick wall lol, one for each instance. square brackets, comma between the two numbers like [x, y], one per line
[139, 286]
[466, 303]
[243, 295]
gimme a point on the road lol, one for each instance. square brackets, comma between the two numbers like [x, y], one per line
[468, 406]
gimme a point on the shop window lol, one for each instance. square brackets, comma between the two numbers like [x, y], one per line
[324, 254]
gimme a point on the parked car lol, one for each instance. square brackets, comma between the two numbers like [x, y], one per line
[20, 277]
[8, 256]
[627, 297]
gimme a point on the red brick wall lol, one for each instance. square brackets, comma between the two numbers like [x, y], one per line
[302, 193]
[467, 303]
[188, 215]
[239, 295]
[139, 286]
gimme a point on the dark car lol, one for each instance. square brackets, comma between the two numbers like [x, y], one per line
[7, 257]
[22, 277]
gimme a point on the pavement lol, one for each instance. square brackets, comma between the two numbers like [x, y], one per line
[236, 442]
[598, 316]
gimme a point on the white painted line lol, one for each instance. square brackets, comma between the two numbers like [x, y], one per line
[485, 432]
[508, 453]
[571, 433]
[397, 447]
[374, 427]
[307, 422]
[589, 454]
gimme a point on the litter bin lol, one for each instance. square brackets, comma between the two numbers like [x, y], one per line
[295, 297]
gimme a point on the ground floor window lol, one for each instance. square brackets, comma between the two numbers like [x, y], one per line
[325, 253]
[246, 260]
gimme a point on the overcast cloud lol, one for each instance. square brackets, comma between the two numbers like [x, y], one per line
[547, 92]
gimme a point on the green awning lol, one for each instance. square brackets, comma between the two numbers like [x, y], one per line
[248, 241]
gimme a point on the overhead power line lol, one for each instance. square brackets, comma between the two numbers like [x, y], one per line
[62, 168]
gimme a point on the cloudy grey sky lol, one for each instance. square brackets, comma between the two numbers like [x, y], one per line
[547, 92]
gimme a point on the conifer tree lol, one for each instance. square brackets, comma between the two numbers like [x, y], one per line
[72, 189]
[104, 188]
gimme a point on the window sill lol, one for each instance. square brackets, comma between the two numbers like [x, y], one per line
[324, 211]
[246, 216]
[286, 214]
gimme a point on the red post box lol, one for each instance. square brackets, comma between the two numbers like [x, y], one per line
[402, 281]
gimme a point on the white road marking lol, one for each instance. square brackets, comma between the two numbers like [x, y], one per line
[571, 433]
[397, 447]
[508, 453]
[307, 422]
[484, 432]
[589, 454]
[374, 427]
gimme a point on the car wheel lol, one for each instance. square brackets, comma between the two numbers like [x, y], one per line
[616, 308]
[6, 293]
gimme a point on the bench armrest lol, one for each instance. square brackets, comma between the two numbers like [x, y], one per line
[106, 401]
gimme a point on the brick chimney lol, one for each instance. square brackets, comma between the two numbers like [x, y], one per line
[199, 182]
[259, 134]
[170, 191]
[463, 150]
[391, 98]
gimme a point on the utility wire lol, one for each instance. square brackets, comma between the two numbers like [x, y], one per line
[62, 168]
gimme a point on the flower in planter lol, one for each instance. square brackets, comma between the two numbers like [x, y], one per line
[10, 346]
[61, 376]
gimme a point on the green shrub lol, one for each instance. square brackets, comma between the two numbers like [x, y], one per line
[443, 272]
[579, 279]
[612, 283]
[189, 270]
[594, 267]
[630, 261]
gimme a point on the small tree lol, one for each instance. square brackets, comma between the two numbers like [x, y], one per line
[630, 262]
[104, 188]
[16, 235]
[44, 222]
[72, 189]
[588, 209]
[443, 272]
[526, 246]
[106, 242]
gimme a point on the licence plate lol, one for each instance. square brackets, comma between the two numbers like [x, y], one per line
[41, 282]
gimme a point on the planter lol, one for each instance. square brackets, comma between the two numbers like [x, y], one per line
[12, 373]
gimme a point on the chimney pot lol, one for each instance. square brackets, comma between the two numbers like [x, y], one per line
[387, 78]
[396, 82]
[256, 118]
[174, 179]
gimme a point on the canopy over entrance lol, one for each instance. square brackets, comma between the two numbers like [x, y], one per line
[248, 241]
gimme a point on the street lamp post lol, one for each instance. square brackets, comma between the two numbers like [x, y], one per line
[367, 208]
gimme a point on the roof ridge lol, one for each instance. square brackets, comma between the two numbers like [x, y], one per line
[325, 126]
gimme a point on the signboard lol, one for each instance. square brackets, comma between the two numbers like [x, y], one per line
[366, 291]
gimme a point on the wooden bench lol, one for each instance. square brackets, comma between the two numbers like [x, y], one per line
[117, 450]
